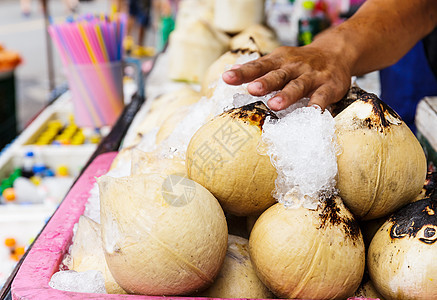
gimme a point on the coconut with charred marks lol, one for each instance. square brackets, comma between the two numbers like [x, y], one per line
[222, 156]
[382, 165]
[401, 257]
[237, 278]
[429, 189]
[162, 234]
[308, 254]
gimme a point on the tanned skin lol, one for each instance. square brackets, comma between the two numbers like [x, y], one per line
[376, 36]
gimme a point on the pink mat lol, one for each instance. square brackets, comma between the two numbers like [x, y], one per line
[42, 261]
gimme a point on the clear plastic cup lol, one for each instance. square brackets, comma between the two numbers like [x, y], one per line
[97, 93]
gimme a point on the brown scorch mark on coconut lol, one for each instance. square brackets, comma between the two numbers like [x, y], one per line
[380, 110]
[430, 185]
[352, 95]
[253, 113]
[331, 215]
[411, 219]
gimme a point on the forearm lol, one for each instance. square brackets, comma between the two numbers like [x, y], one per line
[380, 33]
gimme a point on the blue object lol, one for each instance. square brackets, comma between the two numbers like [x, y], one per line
[405, 83]
[38, 168]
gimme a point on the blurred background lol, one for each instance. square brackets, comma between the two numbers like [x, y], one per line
[23, 30]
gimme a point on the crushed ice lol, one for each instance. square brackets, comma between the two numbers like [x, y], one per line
[303, 148]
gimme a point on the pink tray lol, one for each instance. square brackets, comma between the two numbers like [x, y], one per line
[42, 261]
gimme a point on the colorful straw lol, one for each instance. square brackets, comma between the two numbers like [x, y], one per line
[94, 40]
[83, 38]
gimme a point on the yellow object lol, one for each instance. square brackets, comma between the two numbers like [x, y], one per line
[141, 51]
[36, 180]
[128, 43]
[9, 194]
[62, 170]
[19, 251]
[95, 139]
[10, 242]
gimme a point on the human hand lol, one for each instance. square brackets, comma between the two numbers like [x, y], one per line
[297, 72]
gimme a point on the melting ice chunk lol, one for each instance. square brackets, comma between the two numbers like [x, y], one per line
[80, 282]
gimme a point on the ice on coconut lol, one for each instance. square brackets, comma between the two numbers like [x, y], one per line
[92, 207]
[79, 282]
[302, 147]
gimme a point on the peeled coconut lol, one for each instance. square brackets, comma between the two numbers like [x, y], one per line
[382, 165]
[151, 162]
[223, 63]
[368, 291]
[162, 234]
[162, 107]
[170, 124]
[262, 36]
[190, 11]
[233, 16]
[401, 257]
[222, 156]
[237, 278]
[87, 254]
[308, 254]
[192, 49]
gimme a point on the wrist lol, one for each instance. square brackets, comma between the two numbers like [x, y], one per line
[339, 47]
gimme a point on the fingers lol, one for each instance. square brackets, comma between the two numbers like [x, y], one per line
[248, 71]
[295, 90]
[272, 81]
[322, 97]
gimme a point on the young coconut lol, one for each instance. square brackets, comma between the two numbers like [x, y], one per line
[308, 254]
[161, 109]
[150, 162]
[367, 290]
[170, 124]
[262, 36]
[382, 165]
[192, 49]
[401, 257]
[234, 16]
[222, 156]
[162, 234]
[86, 253]
[216, 69]
[237, 278]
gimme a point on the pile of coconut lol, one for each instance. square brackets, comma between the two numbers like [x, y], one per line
[221, 197]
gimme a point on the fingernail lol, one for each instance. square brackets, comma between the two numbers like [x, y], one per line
[278, 99]
[256, 86]
[229, 74]
[236, 66]
[316, 106]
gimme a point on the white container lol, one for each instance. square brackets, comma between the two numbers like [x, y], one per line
[233, 16]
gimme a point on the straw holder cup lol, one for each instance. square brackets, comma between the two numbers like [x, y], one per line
[97, 92]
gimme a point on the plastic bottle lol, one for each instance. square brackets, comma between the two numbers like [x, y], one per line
[305, 35]
[313, 21]
[28, 162]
